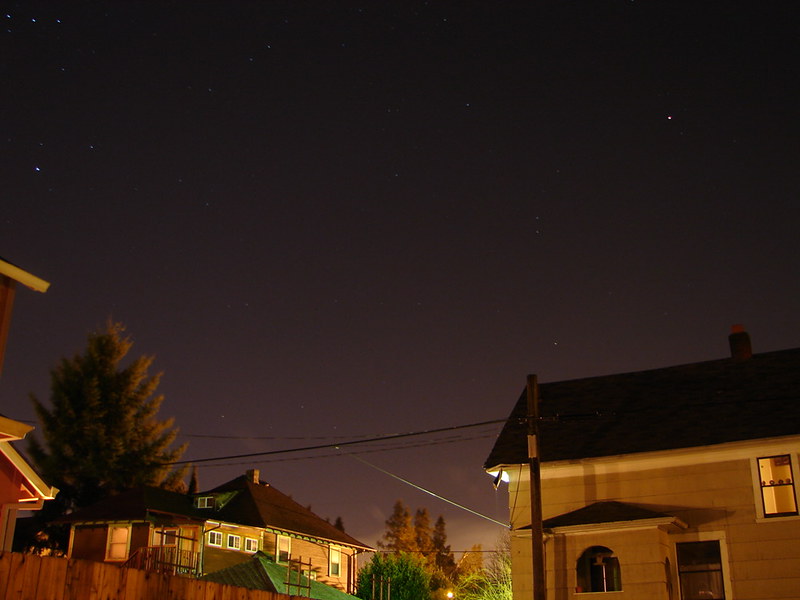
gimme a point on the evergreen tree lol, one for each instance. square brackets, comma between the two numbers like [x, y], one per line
[400, 576]
[194, 485]
[399, 535]
[423, 536]
[445, 560]
[100, 433]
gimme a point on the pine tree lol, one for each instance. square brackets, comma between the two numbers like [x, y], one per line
[399, 535]
[444, 555]
[100, 433]
[423, 535]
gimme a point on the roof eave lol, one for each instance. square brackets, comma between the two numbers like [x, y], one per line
[668, 522]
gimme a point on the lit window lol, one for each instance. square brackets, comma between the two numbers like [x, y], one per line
[598, 571]
[205, 502]
[777, 486]
[165, 537]
[284, 548]
[250, 545]
[234, 541]
[336, 561]
[118, 538]
[215, 538]
[700, 571]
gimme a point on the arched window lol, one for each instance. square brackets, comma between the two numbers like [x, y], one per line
[598, 571]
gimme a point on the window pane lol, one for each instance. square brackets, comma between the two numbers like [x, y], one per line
[118, 543]
[700, 569]
[777, 485]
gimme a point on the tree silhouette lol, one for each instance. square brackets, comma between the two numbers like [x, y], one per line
[100, 433]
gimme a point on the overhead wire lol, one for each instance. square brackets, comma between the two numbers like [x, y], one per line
[337, 444]
[427, 491]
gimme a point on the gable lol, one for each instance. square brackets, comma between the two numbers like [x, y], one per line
[685, 406]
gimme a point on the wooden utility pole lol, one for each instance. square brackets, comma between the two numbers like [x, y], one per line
[537, 535]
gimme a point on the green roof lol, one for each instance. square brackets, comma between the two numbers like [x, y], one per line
[260, 573]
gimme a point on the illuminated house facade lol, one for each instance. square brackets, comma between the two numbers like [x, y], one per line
[669, 484]
[20, 487]
[204, 533]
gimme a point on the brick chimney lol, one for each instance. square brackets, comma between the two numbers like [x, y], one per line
[253, 475]
[739, 340]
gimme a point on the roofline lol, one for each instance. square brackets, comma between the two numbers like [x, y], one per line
[291, 533]
[565, 467]
[44, 491]
[634, 524]
[15, 430]
[27, 279]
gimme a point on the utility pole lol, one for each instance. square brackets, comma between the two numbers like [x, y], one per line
[537, 535]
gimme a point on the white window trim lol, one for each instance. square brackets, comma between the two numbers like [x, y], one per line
[215, 534]
[205, 502]
[127, 542]
[331, 551]
[759, 501]
[247, 542]
[233, 536]
[704, 536]
[160, 532]
[278, 539]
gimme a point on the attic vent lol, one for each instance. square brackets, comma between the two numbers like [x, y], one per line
[739, 341]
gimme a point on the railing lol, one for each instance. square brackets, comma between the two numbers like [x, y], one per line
[165, 559]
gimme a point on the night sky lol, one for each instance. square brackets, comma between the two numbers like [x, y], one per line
[335, 220]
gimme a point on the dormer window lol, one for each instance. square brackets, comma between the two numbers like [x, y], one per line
[205, 502]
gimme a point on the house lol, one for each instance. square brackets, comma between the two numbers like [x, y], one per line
[196, 534]
[666, 484]
[20, 487]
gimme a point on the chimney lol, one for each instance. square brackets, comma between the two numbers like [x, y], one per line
[253, 475]
[739, 341]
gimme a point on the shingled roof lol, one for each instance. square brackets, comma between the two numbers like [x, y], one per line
[138, 504]
[262, 505]
[690, 405]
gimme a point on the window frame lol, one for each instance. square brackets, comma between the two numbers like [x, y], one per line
[758, 488]
[204, 502]
[237, 541]
[214, 534]
[703, 536]
[109, 543]
[681, 570]
[278, 539]
[584, 575]
[248, 544]
[163, 532]
[335, 551]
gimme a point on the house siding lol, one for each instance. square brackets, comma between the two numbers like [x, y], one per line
[715, 498]
[89, 542]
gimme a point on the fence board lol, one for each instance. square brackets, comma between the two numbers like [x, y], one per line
[52, 575]
[30, 577]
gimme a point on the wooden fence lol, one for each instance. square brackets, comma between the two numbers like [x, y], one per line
[30, 577]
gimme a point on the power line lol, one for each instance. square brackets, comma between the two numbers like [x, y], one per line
[338, 444]
[366, 451]
[427, 491]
